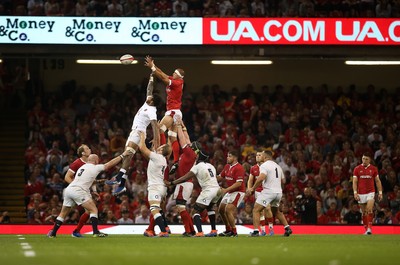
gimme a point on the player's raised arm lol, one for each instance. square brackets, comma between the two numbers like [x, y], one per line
[142, 146]
[156, 135]
[183, 136]
[157, 72]
[115, 160]
[150, 86]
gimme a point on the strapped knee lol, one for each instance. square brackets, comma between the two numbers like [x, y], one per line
[172, 134]
[155, 207]
[130, 150]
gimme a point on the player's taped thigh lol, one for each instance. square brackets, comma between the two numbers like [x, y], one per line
[155, 207]
[131, 150]
[172, 134]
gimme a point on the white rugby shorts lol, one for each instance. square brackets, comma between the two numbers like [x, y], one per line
[75, 195]
[269, 198]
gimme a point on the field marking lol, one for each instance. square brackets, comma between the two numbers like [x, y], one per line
[29, 253]
[27, 248]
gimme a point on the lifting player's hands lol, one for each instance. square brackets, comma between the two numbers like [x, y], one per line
[142, 139]
[127, 152]
[223, 191]
[148, 61]
[178, 120]
[249, 191]
[168, 183]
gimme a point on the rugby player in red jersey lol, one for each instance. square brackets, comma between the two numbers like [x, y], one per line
[364, 176]
[233, 173]
[174, 91]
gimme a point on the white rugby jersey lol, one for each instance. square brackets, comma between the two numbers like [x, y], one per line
[85, 176]
[206, 175]
[274, 175]
[156, 169]
[143, 117]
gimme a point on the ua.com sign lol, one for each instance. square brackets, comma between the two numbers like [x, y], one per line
[301, 31]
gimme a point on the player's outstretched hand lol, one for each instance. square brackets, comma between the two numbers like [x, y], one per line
[148, 61]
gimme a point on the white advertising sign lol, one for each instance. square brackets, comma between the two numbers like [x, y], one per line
[100, 30]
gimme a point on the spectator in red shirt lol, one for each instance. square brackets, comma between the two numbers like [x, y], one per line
[333, 214]
[34, 185]
[322, 219]
[389, 219]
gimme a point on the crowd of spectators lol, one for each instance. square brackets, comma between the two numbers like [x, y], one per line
[317, 134]
[200, 8]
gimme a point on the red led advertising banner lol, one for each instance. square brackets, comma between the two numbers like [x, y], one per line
[301, 31]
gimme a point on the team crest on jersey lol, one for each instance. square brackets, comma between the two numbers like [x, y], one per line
[264, 202]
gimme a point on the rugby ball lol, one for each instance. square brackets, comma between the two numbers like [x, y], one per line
[126, 59]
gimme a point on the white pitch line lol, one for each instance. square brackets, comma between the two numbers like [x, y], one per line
[28, 252]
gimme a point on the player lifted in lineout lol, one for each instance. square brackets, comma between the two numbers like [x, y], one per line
[174, 91]
[147, 114]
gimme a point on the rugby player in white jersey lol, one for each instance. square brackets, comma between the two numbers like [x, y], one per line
[210, 190]
[157, 172]
[272, 177]
[146, 115]
[78, 192]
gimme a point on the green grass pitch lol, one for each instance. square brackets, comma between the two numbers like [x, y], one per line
[176, 250]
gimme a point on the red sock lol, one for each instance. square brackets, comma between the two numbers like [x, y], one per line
[191, 224]
[370, 217]
[365, 221]
[262, 223]
[234, 230]
[163, 140]
[270, 220]
[151, 224]
[228, 228]
[82, 221]
[186, 221]
[175, 150]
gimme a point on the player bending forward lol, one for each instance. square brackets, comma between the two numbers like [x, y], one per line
[210, 190]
